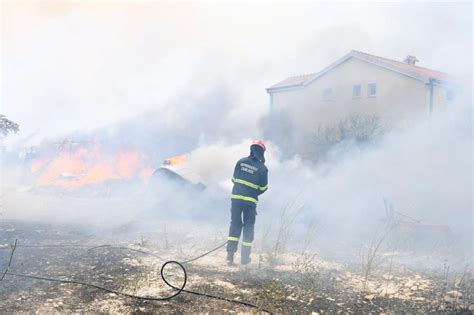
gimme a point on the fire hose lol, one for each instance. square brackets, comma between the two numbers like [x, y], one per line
[178, 290]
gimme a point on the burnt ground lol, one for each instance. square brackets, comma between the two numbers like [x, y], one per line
[285, 283]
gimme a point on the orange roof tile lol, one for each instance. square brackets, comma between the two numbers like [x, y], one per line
[398, 66]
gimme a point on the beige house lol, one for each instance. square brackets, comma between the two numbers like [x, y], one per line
[363, 84]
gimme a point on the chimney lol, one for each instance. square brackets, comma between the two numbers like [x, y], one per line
[411, 60]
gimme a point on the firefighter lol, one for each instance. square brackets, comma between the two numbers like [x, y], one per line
[250, 180]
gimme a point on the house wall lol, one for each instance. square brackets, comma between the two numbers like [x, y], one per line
[440, 101]
[398, 96]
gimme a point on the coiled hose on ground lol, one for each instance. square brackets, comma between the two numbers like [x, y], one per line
[178, 290]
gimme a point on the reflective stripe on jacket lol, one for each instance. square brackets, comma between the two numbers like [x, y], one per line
[250, 179]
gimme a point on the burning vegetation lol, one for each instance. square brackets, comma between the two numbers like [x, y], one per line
[75, 165]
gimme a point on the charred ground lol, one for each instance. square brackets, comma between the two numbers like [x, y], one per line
[296, 282]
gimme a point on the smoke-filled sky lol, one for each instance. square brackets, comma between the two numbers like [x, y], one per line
[70, 66]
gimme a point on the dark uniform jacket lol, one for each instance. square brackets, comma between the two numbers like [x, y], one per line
[250, 177]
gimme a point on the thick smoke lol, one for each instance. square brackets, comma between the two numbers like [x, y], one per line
[424, 171]
[165, 90]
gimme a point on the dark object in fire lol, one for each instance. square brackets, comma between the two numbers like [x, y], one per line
[164, 173]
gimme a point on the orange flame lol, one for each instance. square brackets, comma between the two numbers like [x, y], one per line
[175, 160]
[82, 167]
[66, 164]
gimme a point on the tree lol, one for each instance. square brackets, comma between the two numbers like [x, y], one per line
[7, 126]
[360, 131]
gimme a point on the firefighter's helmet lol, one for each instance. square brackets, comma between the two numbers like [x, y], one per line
[260, 143]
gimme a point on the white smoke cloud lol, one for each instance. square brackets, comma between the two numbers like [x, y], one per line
[175, 77]
[425, 171]
[90, 65]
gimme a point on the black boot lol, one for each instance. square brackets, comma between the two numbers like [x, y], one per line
[230, 258]
[245, 255]
[245, 260]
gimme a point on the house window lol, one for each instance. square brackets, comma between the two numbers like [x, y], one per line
[372, 88]
[327, 95]
[449, 95]
[356, 91]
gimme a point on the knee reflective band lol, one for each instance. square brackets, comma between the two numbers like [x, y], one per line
[249, 184]
[244, 198]
[233, 238]
[247, 244]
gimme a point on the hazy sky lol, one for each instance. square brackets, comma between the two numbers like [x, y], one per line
[79, 66]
